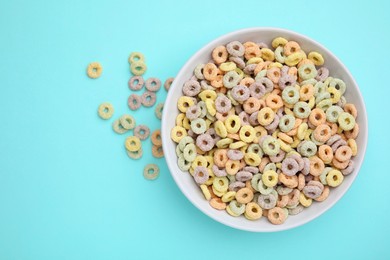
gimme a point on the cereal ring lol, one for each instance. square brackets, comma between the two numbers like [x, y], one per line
[235, 155]
[334, 178]
[325, 153]
[316, 58]
[205, 142]
[118, 128]
[210, 71]
[219, 54]
[257, 90]
[343, 153]
[338, 84]
[290, 166]
[277, 216]
[247, 133]
[307, 71]
[290, 95]
[346, 121]
[294, 58]
[349, 169]
[274, 101]
[218, 172]
[136, 56]
[286, 81]
[240, 93]
[156, 138]
[253, 211]
[94, 70]
[243, 176]
[286, 123]
[252, 159]
[244, 195]
[232, 124]
[265, 116]
[148, 98]
[136, 83]
[132, 143]
[322, 133]
[177, 133]
[151, 171]
[158, 152]
[134, 102]
[168, 83]
[153, 84]
[317, 117]
[138, 68]
[223, 104]
[270, 178]
[291, 47]
[217, 203]
[322, 74]
[182, 163]
[158, 110]
[127, 122]
[279, 157]
[270, 146]
[198, 126]
[302, 109]
[235, 48]
[236, 207]
[316, 166]
[295, 211]
[201, 175]
[105, 110]
[136, 154]
[267, 54]
[307, 148]
[142, 132]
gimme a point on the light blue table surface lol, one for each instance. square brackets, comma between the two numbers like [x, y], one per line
[68, 189]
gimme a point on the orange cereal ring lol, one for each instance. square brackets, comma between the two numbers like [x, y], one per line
[261, 66]
[274, 101]
[303, 62]
[352, 134]
[316, 166]
[334, 128]
[217, 82]
[250, 44]
[306, 92]
[220, 54]
[340, 165]
[252, 52]
[317, 117]
[220, 157]
[156, 137]
[232, 166]
[324, 195]
[274, 74]
[282, 201]
[244, 195]
[247, 81]
[301, 181]
[288, 181]
[217, 203]
[210, 71]
[293, 197]
[285, 138]
[293, 71]
[157, 151]
[322, 133]
[343, 153]
[277, 216]
[251, 105]
[291, 47]
[325, 153]
[350, 108]
[263, 163]
[248, 183]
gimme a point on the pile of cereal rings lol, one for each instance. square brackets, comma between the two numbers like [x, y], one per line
[265, 131]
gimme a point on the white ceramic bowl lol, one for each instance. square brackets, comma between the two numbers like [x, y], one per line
[186, 183]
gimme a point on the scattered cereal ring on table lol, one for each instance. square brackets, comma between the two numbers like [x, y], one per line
[105, 110]
[151, 171]
[94, 70]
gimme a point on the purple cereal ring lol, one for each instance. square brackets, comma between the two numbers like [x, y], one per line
[280, 112]
[290, 166]
[322, 74]
[309, 178]
[240, 93]
[192, 134]
[136, 83]
[218, 172]
[333, 139]
[267, 201]
[316, 183]
[244, 118]
[148, 99]
[249, 69]
[142, 132]
[205, 142]
[201, 174]
[284, 70]
[235, 48]
[299, 160]
[153, 84]
[251, 169]
[286, 81]
[243, 176]
[337, 144]
[253, 119]
[213, 134]
[306, 167]
[235, 186]
[278, 157]
[235, 155]
[262, 45]
[349, 169]
[267, 83]
[257, 90]
[312, 192]
[223, 104]
[238, 61]
[238, 109]
[191, 88]
[134, 102]
[193, 112]
[273, 125]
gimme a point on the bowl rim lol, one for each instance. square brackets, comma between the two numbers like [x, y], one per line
[165, 132]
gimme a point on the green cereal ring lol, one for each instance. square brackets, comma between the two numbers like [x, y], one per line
[319, 88]
[237, 208]
[302, 109]
[234, 102]
[118, 128]
[203, 109]
[178, 151]
[184, 141]
[286, 123]
[279, 54]
[270, 146]
[290, 95]
[198, 71]
[151, 171]
[333, 113]
[158, 110]
[255, 148]
[135, 155]
[231, 79]
[307, 148]
[189, 152]
[322, 96]
[324, 174]
[138, 68]
[136, 56]
[198, 126]
[105, 110]
[264, 189]
[327, 81]
[324, 104]
[296, 210]
[307, 71]
[127, 122]
[255, 181]
[339, 85]
[182, 163]
[270, 167]
[346, 121]
[260, 75]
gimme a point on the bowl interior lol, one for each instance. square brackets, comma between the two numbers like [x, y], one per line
[184, 179]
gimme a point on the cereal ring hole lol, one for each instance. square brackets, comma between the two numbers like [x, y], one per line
[254, 210]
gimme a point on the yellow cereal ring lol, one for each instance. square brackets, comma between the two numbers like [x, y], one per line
[275, 65]
[232, 167]
[265, 116]
[278, 41]
[210, 106]
[267, 54]
[237, 145]
[334, 178]
[217, 192]
[252, 159]
[186, 123]
[227, 66]
[270, 178]
[294, 58]
[205, 191]
[259, 132]
[253, 211]
[247, 133]
[295, 143]
[224, 143]
[230, 212]
[177, 133]
[221, 184]
[306, 202]
[312, 102]
[302, 130]
[254, 60]
[232, 124]
[210, 160]
[220, 129]
[133, 143]
[285, 147]
[229, 196]
[207, 94]
[316, 58]
[335, 95]
[179, 119]
[352, 144]
[199, 161]
[184, 103]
